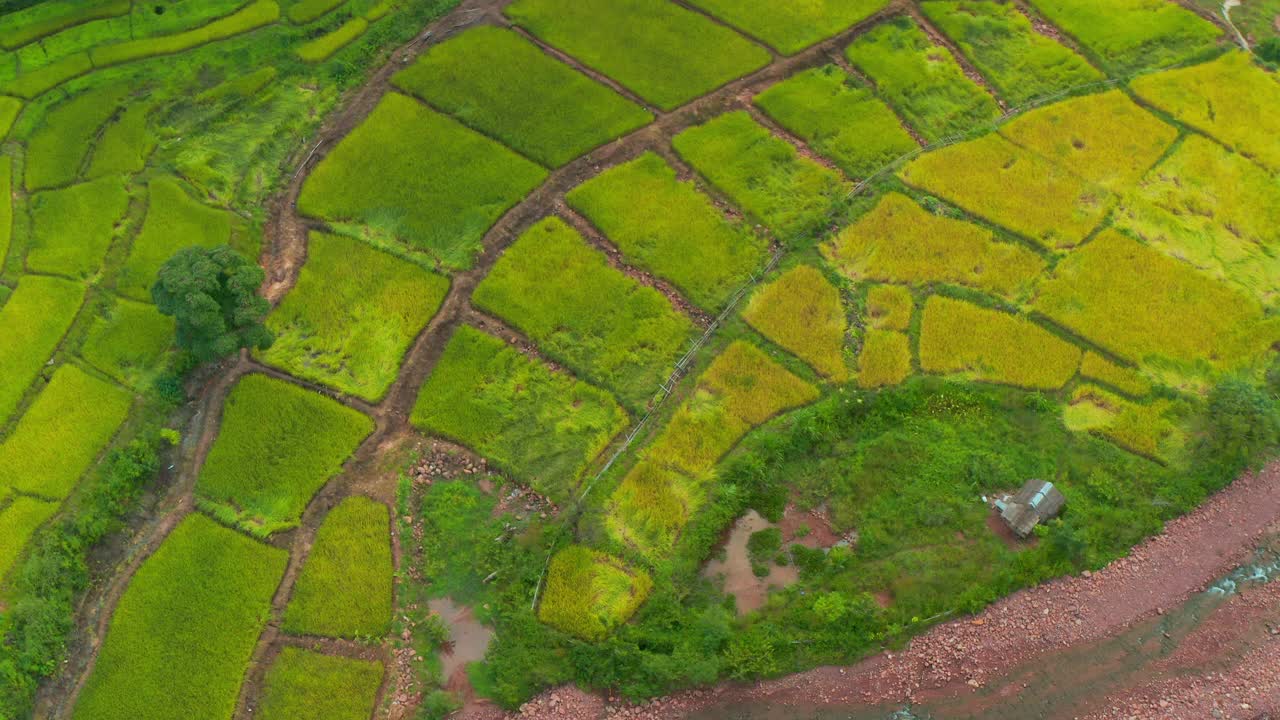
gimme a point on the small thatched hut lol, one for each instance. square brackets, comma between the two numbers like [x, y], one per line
[1035, 503]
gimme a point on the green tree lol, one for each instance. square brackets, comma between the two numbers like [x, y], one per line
[1243, 426]
[212, 295]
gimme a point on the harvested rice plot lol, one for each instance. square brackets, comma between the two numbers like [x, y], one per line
[802, 312]
[589, 593]
[352, 315]
[302, 684]
[790, 26]
[1153, 310]
[999, 40]
[609, 329]
[129, 342]
[1104, 138]
[764, 175]
[184, 631]
[278, 444]
[899, 241]
[494, 80]
[990, 345]
[1133, 35]
[542, 426]
[922, 80]
[667, 227]
[1011, 187]
[1215, 210]
[32, 323]
[839, 117]
[173, 221]
[422, 178]
[1229, 99]
[73, 227]
[660, 51]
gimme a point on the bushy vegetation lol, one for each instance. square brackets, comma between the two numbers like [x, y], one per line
[352, 315]
[129, 342]
[609, 329]
[899, 241]
[301, 683]
[1132, 35]
[790, 26]
[840, 117]
[73, 227]
[212, 296]
[278, 444]
[34, 318]
[667, 227]
[660, 51]
[424, 179]
[999, 40]
[589, 593]
[184, 631]
[921, 80]
[885, 359]
[1009, 186]
[173, 221]
[505, 86]
[890, 307]
[790, 194]
[345, 587]
[540, 425]
[802, 312]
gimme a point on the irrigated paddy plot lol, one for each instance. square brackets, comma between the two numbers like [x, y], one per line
[129, 342]
[1133, 35]
[790, 26]
[32, 323]
[589, 593]
[301, 684]
[73, 227]
[19, 520]
[173, 221]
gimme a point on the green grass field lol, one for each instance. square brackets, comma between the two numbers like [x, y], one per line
[58, 438]
[56, 150]
[765, 176]
[73, 227]
[802, 312]
[1133, 35]
[301, 684]
[999, 40]
[173, 221]
[899, 241]
[541, 426]
[790, 26]
[426, 180]
[589, 593]
[345, 588]
[352, 315]
[183, 633]
[1011, 187]
[660, 51]
[839, 117]
[19, 520]
[668, 228]
[130, 342]
[278, 445]
[505, 86]
[922, 80]
[32, 323]
[609, 329]
[885, 359]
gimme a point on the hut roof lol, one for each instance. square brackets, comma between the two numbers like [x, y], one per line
[1036, 502]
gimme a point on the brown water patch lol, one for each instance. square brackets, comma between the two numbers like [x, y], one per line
[468, 639]
[750, 591]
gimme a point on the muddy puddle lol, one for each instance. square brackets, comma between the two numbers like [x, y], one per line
[1069, 683]
[468, 638]
[750, 591]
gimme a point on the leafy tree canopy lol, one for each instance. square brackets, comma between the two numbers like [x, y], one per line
[212, 295]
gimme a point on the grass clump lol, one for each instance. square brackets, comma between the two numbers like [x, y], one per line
[1132, 35]
[277, 446]
[889, 307]
[352, 315]
[660, 51]
[57, 147]
[1007, 185]
[899, 241]
[802, 312]
[1127, 380]
[344, 589]
[1146, 307]
[542, 426]
[183, 634]
[590, 593]
[321, 48]
[764, 175]
[1214, 209]
[1105, 138]
[32, 323]
[505, 86]
[922, 80]
[72, 228]
[430, 182]
[999, 40]
[885, 359]
[790, 26]
[670, 229]
[958, 337]
[46, 18]
[129, 343]
[608, 328]
[19, 520]
[839, 117]
[1230, 99]
[59, 436]
[173, 221]
[301, 683]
